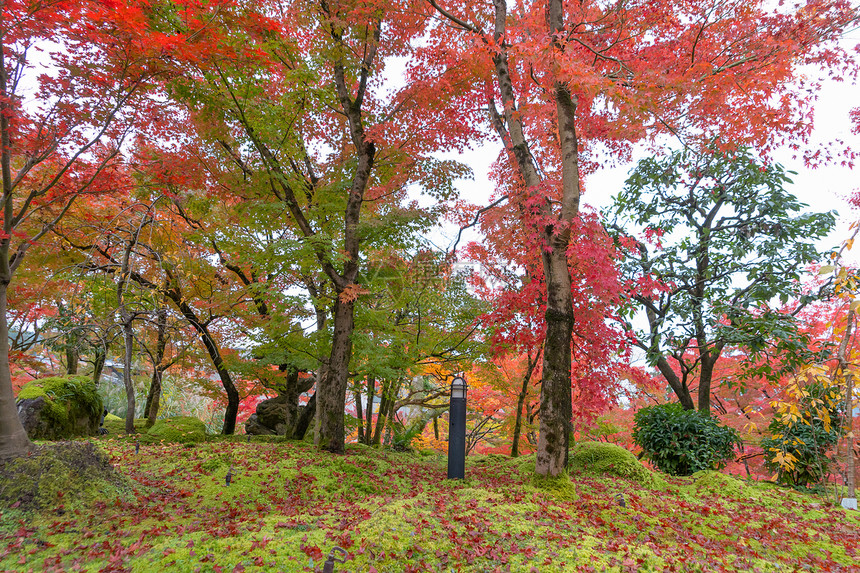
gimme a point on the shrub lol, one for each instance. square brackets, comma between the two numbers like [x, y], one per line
[801, 437]
[682, 442]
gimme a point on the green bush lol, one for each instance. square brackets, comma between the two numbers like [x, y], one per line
[801, 442]
[682, 442]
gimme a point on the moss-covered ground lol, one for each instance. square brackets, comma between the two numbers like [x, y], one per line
[288, 505]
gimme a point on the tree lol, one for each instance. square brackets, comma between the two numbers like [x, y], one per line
[728, 244]
[319, 140]
[60, 147]
[515, 322]
[570, 75]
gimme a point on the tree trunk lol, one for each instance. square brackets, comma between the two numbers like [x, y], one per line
[153, 399]
[305, 418]
[72, 359]
[385, 400]
[678, 386]
[13, 438]
[850, 466]
[371, 391]
[358, 413]
[232, 409]
[850, 470]
[706, 375]
[331, 393]
[98, 364]
[556, 408]
[521, 399]
[128, 336]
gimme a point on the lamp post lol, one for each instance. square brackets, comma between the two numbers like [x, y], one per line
[457, 430]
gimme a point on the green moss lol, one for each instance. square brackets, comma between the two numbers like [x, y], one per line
[559, 488]
[116, 426]
[182, 429]
[72, 407]
[716, 483]
[289, 504]
[598, 458]
[68, 474]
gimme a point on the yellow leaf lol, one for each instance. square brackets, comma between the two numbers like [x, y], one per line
[826, 269]
[849, 243]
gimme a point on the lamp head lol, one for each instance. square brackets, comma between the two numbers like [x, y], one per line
[458, 387]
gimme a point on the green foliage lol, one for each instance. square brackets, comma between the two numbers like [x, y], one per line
[598, 458]
[681, 442]
[72, 407]
[182, 429]
[798, 444]
[720, 248]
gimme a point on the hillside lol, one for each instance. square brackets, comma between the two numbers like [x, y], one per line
[288, 505]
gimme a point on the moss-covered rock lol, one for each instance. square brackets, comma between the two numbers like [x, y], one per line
[182, 429]
[716, 483]
[60, 407]
[598, 458]
[115, 426]
[69, 474]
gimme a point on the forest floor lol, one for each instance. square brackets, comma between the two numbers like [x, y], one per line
[288, 505]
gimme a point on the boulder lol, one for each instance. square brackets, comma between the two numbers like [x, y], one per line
[60, 407]
[274, 417]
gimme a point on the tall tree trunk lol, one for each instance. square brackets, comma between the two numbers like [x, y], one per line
[127, 318]
[850, 469]
[521, 399]
[706, 375]
[72, 359]
[153, 399]
[371, 391]
[556, 408]
[305, 417]
[13, 438]
[331, 393]
[358, 413]
[98, 364]
[128, 337]
[387, 398]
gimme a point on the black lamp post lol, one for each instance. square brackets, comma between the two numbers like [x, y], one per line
[457, 430]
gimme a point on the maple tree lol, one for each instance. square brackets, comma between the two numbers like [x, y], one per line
[419, 325]
[571, 75]
[512, 282]
[62, 143]
[318, 139]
